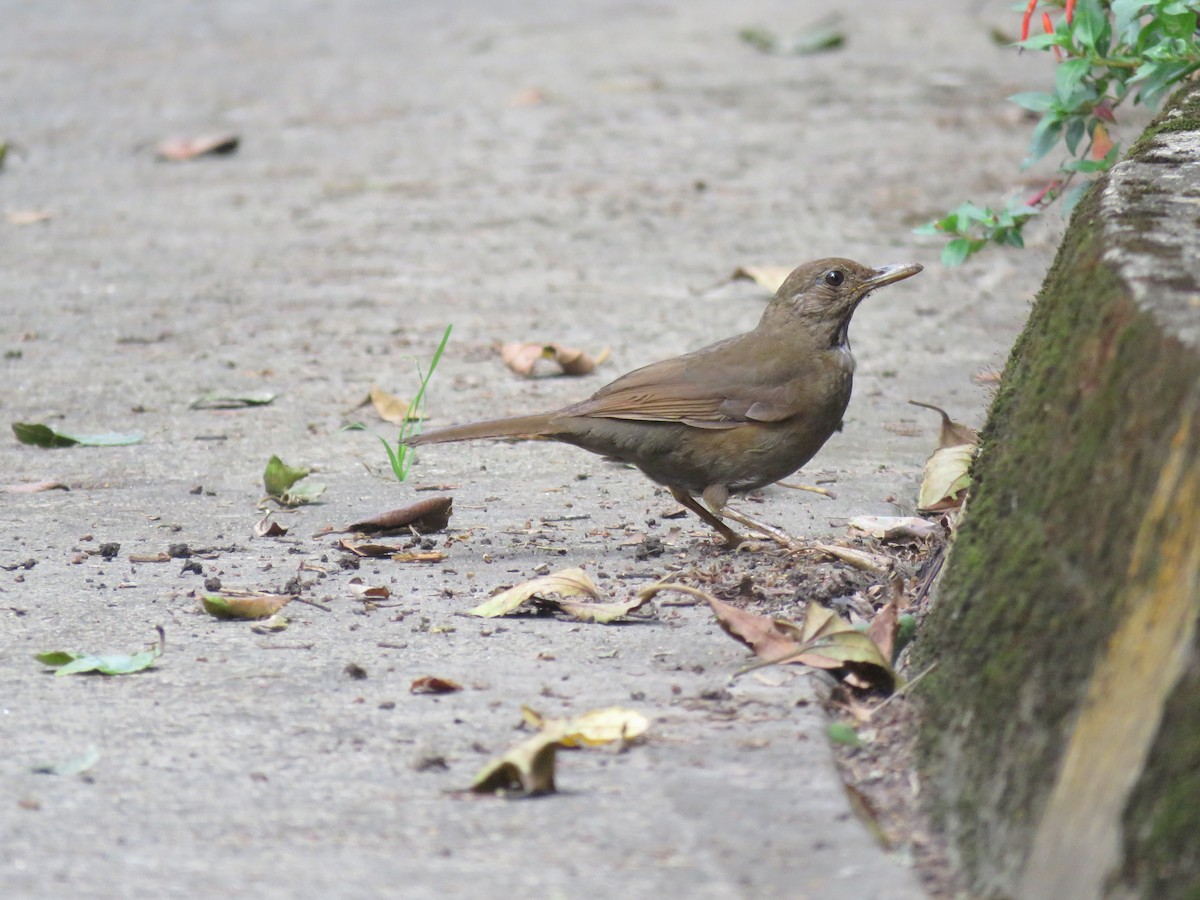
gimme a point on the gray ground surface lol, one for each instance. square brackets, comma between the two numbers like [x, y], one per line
[388, 185]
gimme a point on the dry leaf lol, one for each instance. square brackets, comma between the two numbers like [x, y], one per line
[431, 684]
[366, 549]
[522, 357]
[947, 471]
[526, 770]
[267, 527]
[430, 556]
[180, 149]
[826, 641]
[27, 216]
[35, 487]
[593, 728]
[953, 433]
[160, 556]
[896, 528]
[602, 613]
[946, 479]
[362, 592]
[233, 604]
[423, 517]
[769, 277]
[860, 559]
[391, 408]
[272, 625]
[886, 624]
[565, 583]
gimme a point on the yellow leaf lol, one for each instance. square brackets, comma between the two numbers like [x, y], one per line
[565, 583]
[769, 277]
[526, 770]
[391, 408]
[946, 478]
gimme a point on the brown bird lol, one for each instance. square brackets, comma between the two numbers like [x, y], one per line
[731, 417]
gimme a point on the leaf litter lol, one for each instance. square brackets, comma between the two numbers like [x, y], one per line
[527, 768]
[69, 662]
[947, 471]
[40, 435]
[553, 592]
[281, 483]
[523, 356]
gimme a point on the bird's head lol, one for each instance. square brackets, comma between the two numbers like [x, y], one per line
[821, 296]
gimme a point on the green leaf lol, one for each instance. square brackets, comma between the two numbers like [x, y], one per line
[1067, 78]
[841, 733]
[1041, 42]
[1037, 101]
[40, 435]
[1074, 134]
[279, 476]
[75, 766]
[1088, 24]
[956, 252]
[55, 657]
[69, 663]
[1125, 13]
[1045, 136]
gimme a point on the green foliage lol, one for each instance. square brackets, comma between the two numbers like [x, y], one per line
[400, 456]
[1109, 52]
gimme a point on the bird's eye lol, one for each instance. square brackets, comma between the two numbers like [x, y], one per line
[835, 277]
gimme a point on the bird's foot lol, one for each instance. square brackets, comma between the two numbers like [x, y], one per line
[824, 492]
[776, 535]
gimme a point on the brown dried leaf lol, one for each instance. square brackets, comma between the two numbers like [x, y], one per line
[35, 487]
[181, 149]
[363, 592]
[521, 357]
[953, 433]
[769, 277]
[160, 556]
[366, 549]
[391, 408]
[430, 556]
[431, 684]
[825, 641]
[267, 527]
[424, 517]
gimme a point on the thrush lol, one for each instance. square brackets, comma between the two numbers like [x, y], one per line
[731, 417]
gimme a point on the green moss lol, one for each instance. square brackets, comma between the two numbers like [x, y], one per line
[1068, 460]
[1180, 113]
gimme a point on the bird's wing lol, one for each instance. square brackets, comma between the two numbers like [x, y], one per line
[675, 391]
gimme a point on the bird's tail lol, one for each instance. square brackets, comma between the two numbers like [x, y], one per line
[517, 427]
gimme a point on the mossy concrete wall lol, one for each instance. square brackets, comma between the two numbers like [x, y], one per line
[1061, 743]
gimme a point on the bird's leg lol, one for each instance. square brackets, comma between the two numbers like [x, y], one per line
[732, 538]
[716, 496]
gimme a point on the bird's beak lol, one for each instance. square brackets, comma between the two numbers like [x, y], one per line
[889, 274]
